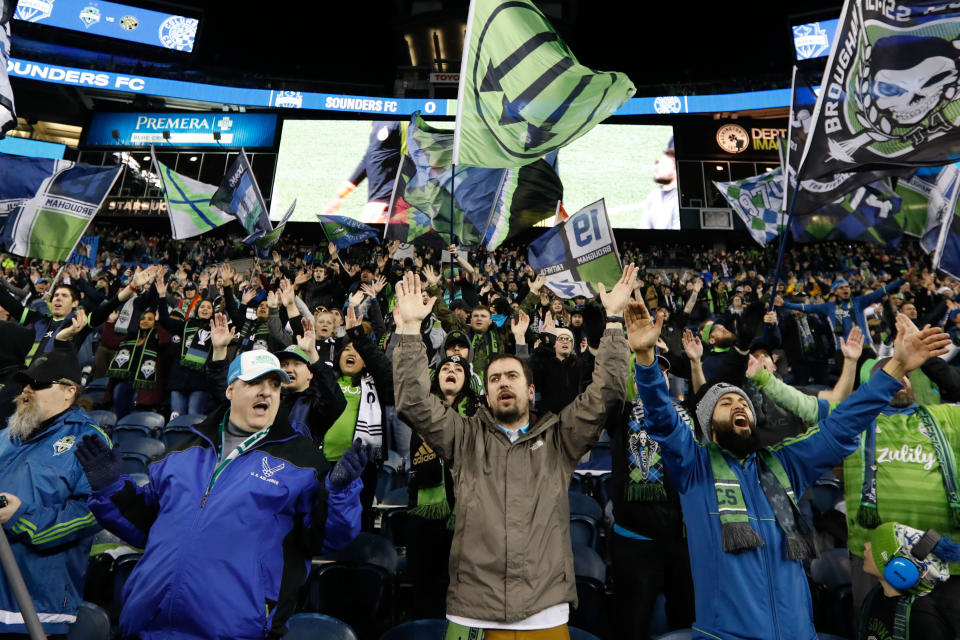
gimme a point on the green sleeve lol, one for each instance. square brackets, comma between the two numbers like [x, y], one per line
[787, 398]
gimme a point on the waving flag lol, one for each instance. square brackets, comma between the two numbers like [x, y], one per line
[8, 115]
[188, 203]
[578, 253]
[49, 203]
[943, 223]
[890, 90]
[475, 204]
[240, 195]
[866, 215]
[759, 203]
[344, 232]
[522, 92]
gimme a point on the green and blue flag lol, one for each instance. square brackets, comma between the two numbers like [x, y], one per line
[343, 231]
[188, 203]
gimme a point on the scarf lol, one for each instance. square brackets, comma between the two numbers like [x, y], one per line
[428, 475]
[737, 534]
[369, 427]
[122, 325]
[868, 515]
[901, 617]
[195, 344]
[44, 330]
[806, 336]
[482, 351]
[253, 335]
[644, 464]
[145, 374]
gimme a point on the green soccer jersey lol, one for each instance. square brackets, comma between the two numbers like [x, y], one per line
[909, 481]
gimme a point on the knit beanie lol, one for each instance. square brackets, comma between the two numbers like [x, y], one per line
[708, 401]
[892, 539]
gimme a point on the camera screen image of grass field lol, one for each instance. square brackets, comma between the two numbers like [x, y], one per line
[612, 161]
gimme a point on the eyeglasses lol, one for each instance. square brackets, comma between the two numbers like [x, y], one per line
[564, 339]
[41, 385]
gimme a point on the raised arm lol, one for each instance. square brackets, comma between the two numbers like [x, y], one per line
[851, 348]
[440, 426]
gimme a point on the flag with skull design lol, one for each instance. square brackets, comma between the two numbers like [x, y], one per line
[890, 90]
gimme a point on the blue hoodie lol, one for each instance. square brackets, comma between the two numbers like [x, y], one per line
[758, 594]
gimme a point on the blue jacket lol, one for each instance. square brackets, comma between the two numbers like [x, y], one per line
[52, 530]
[225, 556]
[841, 315]
[759, 594]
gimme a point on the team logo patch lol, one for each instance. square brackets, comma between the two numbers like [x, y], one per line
[129, 23]
[667, 104]
[178, 32]
[63, 445]
[122, 357]
[34, 10]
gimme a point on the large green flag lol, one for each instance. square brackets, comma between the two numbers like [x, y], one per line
[522, 92]
[188, 203]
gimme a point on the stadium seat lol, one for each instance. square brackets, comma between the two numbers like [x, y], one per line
[585, 518]
[680, 634]
[140, 479]
[186, 420]
[104, 418]
[179, 428]
[831, 569]
[417, 630]
[150, 420]
[138, 452]
[371, 549]
[313, 626]
[395, 461]
[579, 634]
[591, 574]
[93, 623]
[398, 497]
[658, 620]
[357, 593]
[388, 479]
[121, 571]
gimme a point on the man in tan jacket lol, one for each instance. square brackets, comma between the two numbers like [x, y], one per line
[511, 564]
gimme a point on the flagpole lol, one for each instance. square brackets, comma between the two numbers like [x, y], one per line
[783, 246]
[453, 188]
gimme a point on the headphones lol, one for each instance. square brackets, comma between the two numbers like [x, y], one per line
[904, 571]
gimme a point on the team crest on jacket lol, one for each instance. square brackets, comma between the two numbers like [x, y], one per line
[63, 445]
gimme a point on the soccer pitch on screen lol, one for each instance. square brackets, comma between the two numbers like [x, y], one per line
[612, 161]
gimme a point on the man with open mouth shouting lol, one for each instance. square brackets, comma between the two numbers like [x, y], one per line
[747, 538]
[511, 562]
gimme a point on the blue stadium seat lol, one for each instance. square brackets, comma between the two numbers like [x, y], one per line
[398, 497]
[149, 419]
[372, 549]
[104, 418]
[179, 428]
[580, 634]
[585, 518]
[831, 569]
[658, 620]
[313, 626]
[360, 594]
[138, 452]
[417, 630]
[97, 385]
[186, 420]
[122, 567]
[680, 634]
[93, 623]
[591, 575]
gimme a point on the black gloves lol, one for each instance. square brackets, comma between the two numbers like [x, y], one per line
[100, 463]
[349, 466]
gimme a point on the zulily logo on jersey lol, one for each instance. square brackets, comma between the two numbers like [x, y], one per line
[916, 455]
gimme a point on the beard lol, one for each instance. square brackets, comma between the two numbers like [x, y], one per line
[903, 398]
[725, 342]
[25, 420]
[664, 179]
[509, 415]
[739, 445]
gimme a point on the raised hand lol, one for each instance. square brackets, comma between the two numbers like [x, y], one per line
[642, 331]
[431, 275]
[912, 348]
[852, 347]
[349, 467]
[272, 300]
[519, 326]
[356, 298]
[692, 345]
[228, 273]
[302, 276]
[220, 335]
[536, 284]
[287, 294]
[248, 294]
[615, 301]
[161, 286]
[549, 325]
[352, 319]
[308, 341]
[77, 323]
[378, 284]
[410, 304]
[754, 366]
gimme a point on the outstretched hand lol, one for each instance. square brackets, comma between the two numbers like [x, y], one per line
[912, 348]
[411, 308]
[642, 331]
[615, 301]
[350, 466]
[852, 347]
[692, 346]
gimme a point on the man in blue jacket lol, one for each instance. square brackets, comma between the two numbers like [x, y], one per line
[46, 516]
[747, 537]
[231, 518]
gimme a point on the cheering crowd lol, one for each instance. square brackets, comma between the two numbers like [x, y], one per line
[711, 412]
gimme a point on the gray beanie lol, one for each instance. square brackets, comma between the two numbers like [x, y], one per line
[709, 401]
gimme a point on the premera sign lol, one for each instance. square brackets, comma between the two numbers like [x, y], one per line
[249, 130]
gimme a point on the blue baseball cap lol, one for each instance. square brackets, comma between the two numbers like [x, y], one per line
[251, 365]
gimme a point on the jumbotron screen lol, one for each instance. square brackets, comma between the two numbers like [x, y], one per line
[616, 162]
